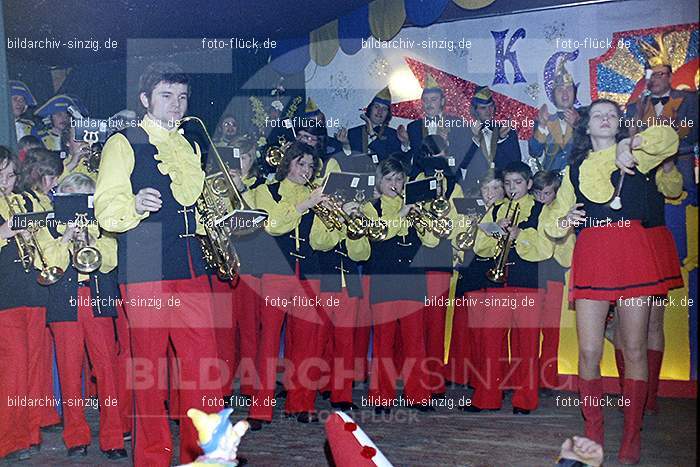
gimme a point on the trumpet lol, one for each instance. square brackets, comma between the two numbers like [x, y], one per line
[423, 220]
[29, 248]
[86, 258]
[275, 154]
[498, 273]
[440, 206]
[330, 216]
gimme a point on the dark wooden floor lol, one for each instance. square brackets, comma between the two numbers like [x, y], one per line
[446, 437]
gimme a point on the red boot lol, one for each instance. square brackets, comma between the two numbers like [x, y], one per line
[635, 395]
[654, 359]
[620, 363]
[591, 393]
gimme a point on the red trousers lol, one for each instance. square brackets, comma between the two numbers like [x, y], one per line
[517, 310]
[225, 330]
[22, 377]
[406, 318]
[438, 285]
[338, 333]
[550, 323]
[71, 338]
[286, 295]
[126, 401]
[177, 311]
[246, 316]
[362, 332]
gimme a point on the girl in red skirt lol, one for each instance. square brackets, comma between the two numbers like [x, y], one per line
[664, 250]
[612, 260]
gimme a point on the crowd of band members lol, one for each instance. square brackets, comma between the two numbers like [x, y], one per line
[150, 177]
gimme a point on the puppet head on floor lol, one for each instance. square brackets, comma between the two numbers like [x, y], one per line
[218, 438]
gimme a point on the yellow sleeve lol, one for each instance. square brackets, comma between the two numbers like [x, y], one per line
[358, 250]
[564, 249]
[670, 184]
[323, 239]
[456, 219]
[533, 244]
[428, 239]
[562, 204]
[115, 202]
[485, 245]
[659, 143]
[56, 252]
[331, 166]
[107, 245]
[283, 216]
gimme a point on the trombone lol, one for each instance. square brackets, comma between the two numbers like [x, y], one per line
[498, 273]
[28, 248]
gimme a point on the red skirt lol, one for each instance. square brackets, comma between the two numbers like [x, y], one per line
[663, 248]
[613, 262]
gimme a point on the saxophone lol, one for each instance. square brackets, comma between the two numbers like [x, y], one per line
[218, 202]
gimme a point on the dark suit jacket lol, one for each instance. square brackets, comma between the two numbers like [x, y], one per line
[383, 146]
[476, 165]
[458, 136]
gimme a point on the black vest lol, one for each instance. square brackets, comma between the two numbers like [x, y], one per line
[306, 256]
[633, 196]
[331, 263]
[393, 276]
[253, 248]
[472, 274]
[18, 288]
[522, 273]
[161, 246]
[656, 201]
[63, 296]
[440, 257]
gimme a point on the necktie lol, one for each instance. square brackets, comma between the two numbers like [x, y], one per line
[656, 100]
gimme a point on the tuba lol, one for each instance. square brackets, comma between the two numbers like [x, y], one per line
[498, 273]
[218, 201]
[28, 249]
[86, 258]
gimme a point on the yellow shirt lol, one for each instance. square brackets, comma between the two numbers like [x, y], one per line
[532, 244]
[658, 144]
[396, 224]
[115, 200]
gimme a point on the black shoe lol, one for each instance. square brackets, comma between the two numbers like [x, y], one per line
[114, 454]
[519, 411]
[127, 436]
[475, 409]
[326, 395]
[256, 424]
[344, 406]
[380, 410]
[17, 456]
[78, 451]
[307, 417]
